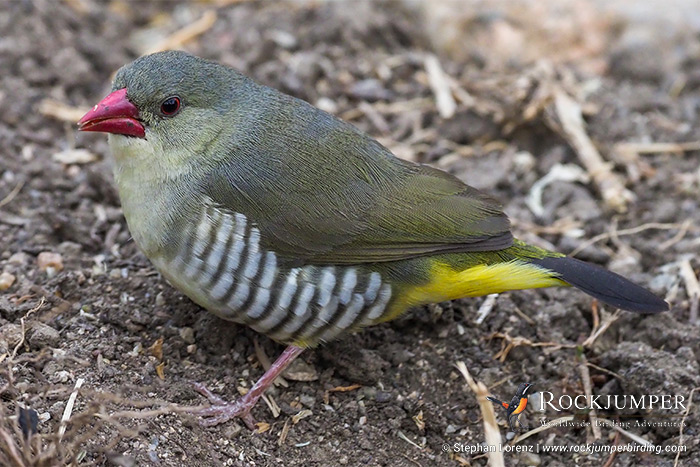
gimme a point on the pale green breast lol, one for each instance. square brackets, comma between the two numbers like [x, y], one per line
[215, 256]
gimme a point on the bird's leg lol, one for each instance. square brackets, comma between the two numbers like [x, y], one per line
[221, 411]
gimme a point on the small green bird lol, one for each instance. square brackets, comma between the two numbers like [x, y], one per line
[271, 213]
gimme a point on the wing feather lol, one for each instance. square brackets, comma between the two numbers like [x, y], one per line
[329, 194]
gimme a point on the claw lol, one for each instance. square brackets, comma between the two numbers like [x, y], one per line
[221, 411]
[213, 398]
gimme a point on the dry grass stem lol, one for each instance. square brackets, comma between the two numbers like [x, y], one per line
[69, 407]
[588, 390]
[11, 195]
[615, 426]
[491, 431]
[550, 424]
[509, 343]
[612, 189]
[272, 405]
[62, 112]
[186, 34]
[440, 86]
[597, 331]
[266, 364]
[685, 415]
[633, 231]
[23, 327]
[486, 308]
[692, 287]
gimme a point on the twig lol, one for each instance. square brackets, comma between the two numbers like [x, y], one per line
[10, 448]
[69, 408]
[604, 370]
[375, 117]
[629, 154]
[595, 311]
[186, 34]
[60, 111]
[460, 93]
[680, 435]
[391, 108]
[11, 195]
[266, 364]
[272, 405]
[413, 461]
[440, 86]
[547, 426]
[509, 343]
[613, 191]
[597, 332]
[491, 432]
[405, 438]
[624, 250]
[302, 414]
[486, 308]
[565, 226]
[611, 458]
[588, 390]
[78, 6]
[284, 433]
[631, 231]
[524, 317]
[678, 237]
[651, 148]
[630, 435]
[692, 287]
[563, 172]
[327, 393]
[23, 327]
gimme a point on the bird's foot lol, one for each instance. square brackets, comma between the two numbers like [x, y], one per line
[222, 411]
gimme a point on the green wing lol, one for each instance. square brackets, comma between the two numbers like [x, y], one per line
[327, 193]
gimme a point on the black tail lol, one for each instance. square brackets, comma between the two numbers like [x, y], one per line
[604, 285]
[495, 401]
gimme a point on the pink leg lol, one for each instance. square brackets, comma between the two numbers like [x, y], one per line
[222, 411]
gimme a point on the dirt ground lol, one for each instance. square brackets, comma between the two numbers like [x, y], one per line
[100, 314]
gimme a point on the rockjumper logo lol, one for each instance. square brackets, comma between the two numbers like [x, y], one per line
[516, 406]
[619, 402]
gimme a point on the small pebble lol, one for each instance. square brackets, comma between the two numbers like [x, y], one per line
[306, 400]
[530, 458]
[43, 335]
[299, 370]
[19, 259]
[187, 335]
[328, 105]
[11, 333]
[6, 281]
[50, 262]
[160, 300]
[383, 396]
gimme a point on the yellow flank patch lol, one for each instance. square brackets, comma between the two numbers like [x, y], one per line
[448, 284]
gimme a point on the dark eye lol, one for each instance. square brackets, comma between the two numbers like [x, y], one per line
[170, 106]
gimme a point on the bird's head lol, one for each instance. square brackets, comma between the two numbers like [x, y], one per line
[170, 103]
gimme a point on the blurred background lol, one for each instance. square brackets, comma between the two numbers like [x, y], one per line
[581, 116]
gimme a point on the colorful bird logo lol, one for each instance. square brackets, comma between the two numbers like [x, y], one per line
[516, 407]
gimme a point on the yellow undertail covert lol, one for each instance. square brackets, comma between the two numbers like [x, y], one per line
[449, 284]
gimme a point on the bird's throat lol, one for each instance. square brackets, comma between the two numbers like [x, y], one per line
[152, 194]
